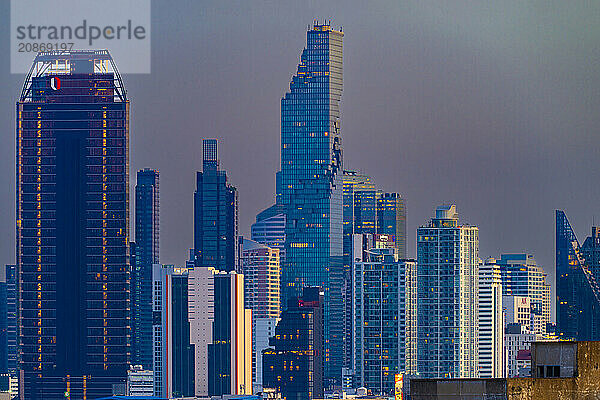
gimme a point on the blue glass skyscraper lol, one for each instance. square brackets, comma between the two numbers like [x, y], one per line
[577, 289]
[146, 254]
[310, 183]
[215, 214]
[72, 220]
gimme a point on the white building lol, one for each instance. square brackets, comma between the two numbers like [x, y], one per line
[201, 315]
[140, 382]
[491, 321]
[517, 310]
[517, 350]
[448, 290]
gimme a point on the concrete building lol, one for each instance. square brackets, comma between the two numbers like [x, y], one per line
[560, 370]
[517, 344]
[448, 297]
[521, 276]
[201, 314]
[262, 278]
[264, 330]
[140, 382]
[491, 321]
[230, 353]
[517, 310]
[384, 304]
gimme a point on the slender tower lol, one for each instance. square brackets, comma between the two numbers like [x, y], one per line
[310, 184]
[72, 207]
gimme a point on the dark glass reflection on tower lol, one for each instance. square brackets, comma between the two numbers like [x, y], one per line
[215, 214]
[309, 185]
[146, 254]
[72, 226]
[577, 290]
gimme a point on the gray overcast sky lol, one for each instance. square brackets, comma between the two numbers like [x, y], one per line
[491, 105]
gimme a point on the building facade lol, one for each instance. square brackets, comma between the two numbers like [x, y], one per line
[262, 279]
[517, 347]
[385, 319]
[173, 353]
[140, 382]
[491, 321]
[230, 353]
[309, 184]
[215, 214]
[577, 289]
[72, 219]
[448, 291]
[293, 365]
[146, 254]
[521, 276]
[269, 229]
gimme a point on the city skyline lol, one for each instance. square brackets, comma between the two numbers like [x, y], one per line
[474, 204]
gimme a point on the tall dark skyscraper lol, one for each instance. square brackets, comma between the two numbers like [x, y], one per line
[577, 290]
[215, 214]
[11, 318]
[72, 210]
[294, 363]
[309, 185]
[146, 254]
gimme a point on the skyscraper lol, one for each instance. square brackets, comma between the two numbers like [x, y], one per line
[491, 323]
[294, 363]
[72, 226]
[215, 214]
[521, 276]
[385, 319]
[147, 253]
[11, 318]
[269, 229]
[309, 185]
[173, 352]
[447, 311]
[577, 290]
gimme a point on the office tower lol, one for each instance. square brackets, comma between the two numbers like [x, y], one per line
[294, 363]
[269, 229]
[140, 382]
[263, 331]
[521, 276]
[146, 254]
[11, 319]
[385, 319]
[173, 353]
[3, 325]
[202, 315]
[391, 219]
[230, 353]
[72, 217]
[448, 271]
[517, 310]
[491, 322]
[352, 181]
[517, 350]
[215, 214]
[577, 290]
[590, 251]
[309, 185]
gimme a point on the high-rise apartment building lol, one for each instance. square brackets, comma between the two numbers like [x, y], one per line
[577, 288]
[293, 365]
[385, 319]
[215, 214]
[230, 353]
[72, 220]
[309, 185]
[367, 210]
[146, 254]
[9, 327]
[173, 352]
[517, 350]
[448, 291]
[262, 276]
[491, 320]
[521, 276]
